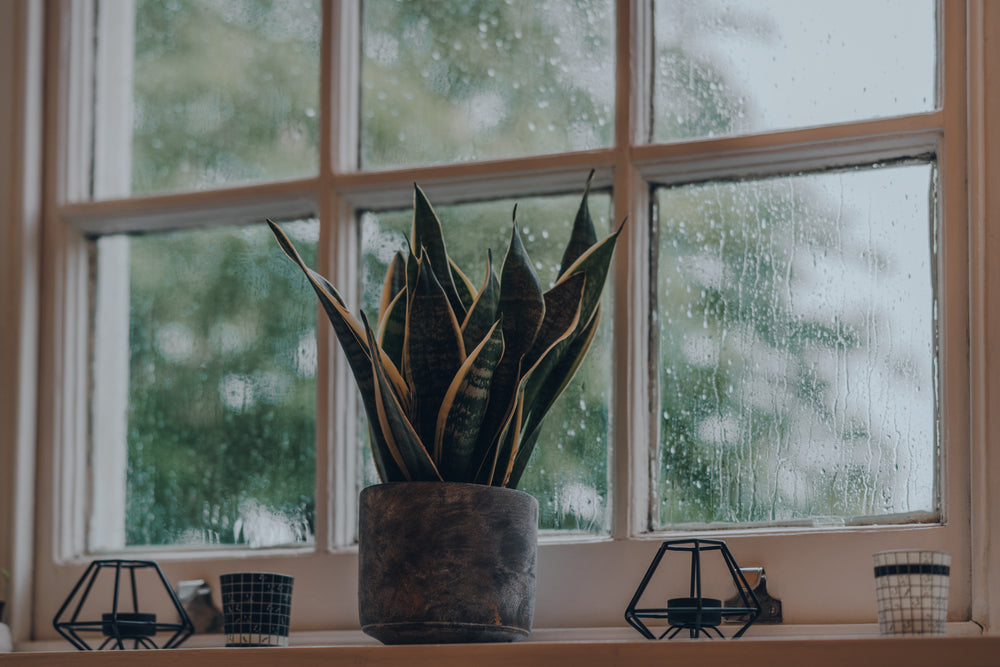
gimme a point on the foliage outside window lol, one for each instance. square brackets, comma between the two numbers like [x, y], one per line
[760, 374]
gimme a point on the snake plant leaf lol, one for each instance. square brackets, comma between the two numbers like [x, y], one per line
[392, 328]
[522, 309]
[463, 408]
[391, 369]
[466, 290]
[562, 308]
[595, 263]
[456, 382]
[395, 281]
[353, 342]
[554, 384]
[507, 445]
[433, 350]
[500, 410]
[483, 312]
[583, 235]
[562, 315]
[522, 303]
[412, 258]
[348, 329]
[385, 466]
[401, 439]
[428, 236]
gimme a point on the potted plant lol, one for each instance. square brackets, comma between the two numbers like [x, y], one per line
[455, 382]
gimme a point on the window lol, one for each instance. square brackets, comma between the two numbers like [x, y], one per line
[713, 397]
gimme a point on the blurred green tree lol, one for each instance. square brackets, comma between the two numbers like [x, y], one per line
[221, 392]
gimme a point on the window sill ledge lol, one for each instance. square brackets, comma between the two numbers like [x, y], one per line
[818, 646]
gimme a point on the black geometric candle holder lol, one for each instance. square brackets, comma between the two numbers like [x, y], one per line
[118, 626]
[695, 613]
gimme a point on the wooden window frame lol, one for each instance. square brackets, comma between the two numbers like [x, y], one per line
[963, 134]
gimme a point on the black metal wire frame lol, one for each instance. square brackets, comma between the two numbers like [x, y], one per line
[118, 623]
[700, 611]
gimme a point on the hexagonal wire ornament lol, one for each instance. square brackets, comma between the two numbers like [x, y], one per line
[117, 626]
[695, 613]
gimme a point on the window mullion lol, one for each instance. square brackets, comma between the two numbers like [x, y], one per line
[632, 441]
[955, 288]
[341, 85]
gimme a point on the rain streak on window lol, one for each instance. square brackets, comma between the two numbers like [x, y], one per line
[458, 81]
[797, 343]
[725, 67]
[221, 387]
[223, 93]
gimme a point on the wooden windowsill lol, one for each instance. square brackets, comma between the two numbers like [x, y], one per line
[857, 648]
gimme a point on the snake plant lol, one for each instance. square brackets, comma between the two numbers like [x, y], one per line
[456, 381]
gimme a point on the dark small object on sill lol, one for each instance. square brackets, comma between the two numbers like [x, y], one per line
[196, 596]
[119, 627]
[128, 626]
[770, 606]
[696, 613]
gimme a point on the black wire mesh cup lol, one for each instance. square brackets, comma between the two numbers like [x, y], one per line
[911, 589]
[256, 607]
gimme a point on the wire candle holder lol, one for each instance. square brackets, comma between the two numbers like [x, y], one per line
[695, 613]
[118, 626]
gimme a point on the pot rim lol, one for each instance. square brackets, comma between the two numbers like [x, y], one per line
[483, 488]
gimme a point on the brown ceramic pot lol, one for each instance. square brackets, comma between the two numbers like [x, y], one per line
[445, 562]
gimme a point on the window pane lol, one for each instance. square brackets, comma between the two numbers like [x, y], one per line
[224, 92]
[737, 66]
[457, 81]
[797, 347]
[221, 361]
[568, 471]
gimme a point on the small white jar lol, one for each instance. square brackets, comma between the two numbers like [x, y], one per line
[6, 645]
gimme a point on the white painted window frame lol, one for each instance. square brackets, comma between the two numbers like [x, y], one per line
[820, 575]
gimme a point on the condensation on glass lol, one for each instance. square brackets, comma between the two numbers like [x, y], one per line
[211, 439]
[568, 471]
[796, 336]
[222, 92]
[454, 81]
[728, 67]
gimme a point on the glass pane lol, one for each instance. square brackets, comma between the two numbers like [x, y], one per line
[736, 66]
[797, 346]
[568, 471]
[221, 372]
[224, 92]
[457, 81]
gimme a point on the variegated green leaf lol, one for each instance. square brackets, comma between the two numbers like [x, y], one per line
[427, 236]
[466, 290]
[433, 350]
[395, 282]
[562, 308]
[522, 310]
[583, 235]
[352, 340]
[555, 337]
[463, 408]
[392, 329]
[522, 303]
[403, 442]
[507, 446]
[595, 263]
[483, 312]
[500, 409]
[412, 260]
[553, 385]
